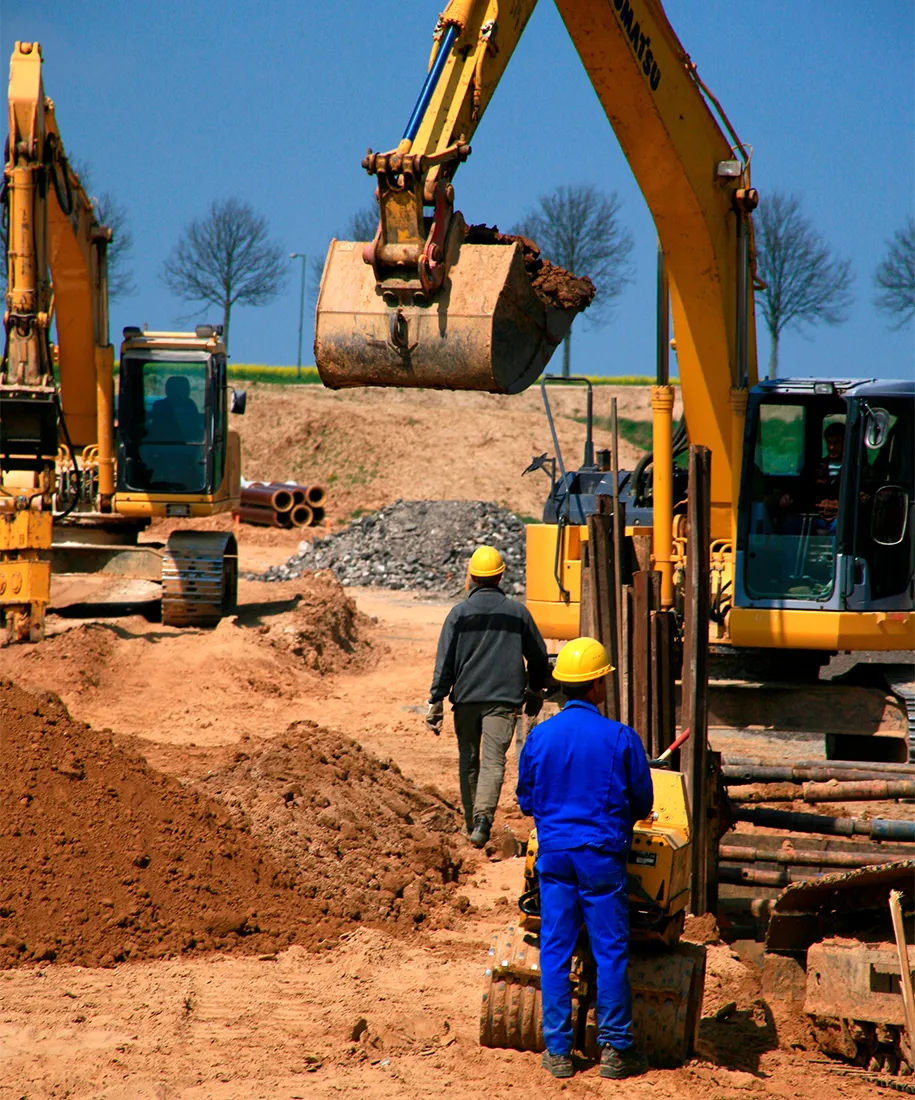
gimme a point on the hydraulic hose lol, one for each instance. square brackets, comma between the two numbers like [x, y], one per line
[430, 83]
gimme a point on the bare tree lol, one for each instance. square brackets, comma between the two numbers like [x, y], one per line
[224, 258]
[804, 282]
[580, 229]
[895, 277]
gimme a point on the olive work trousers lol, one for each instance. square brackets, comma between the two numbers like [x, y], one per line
[484, 733]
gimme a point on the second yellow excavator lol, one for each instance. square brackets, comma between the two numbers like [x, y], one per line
[80, 479]
[813, 550]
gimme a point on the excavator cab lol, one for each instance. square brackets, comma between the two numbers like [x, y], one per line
[173, 409]
[828, 492]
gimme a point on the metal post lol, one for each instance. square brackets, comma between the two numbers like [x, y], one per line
[695, 672]
[300, 256]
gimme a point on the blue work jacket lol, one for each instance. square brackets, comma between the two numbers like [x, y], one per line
[585, 780]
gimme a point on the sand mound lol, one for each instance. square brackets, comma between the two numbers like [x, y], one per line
[364, 841]
[324, 629]
[106, 859]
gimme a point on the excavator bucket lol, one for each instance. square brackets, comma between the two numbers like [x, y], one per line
[491, 327]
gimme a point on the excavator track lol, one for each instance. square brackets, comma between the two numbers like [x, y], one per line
[853, 996]
[902, 685]
[199, 578]
[667, 992]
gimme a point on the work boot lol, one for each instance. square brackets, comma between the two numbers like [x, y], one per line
[482, 827]
[617, 1064]
[560, 1065]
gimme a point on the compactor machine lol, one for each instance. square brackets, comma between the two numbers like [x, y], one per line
[667, 976]
[80, 479]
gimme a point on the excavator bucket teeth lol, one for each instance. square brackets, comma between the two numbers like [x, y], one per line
[487, 329]
[667, 989]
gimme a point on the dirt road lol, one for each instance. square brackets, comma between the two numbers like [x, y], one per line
[386, 1007]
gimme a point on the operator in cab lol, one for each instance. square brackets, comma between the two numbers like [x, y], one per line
[482, 650]
[586, 781]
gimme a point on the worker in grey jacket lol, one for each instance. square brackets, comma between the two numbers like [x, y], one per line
[480, 664]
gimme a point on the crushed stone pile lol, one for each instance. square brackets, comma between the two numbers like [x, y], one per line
[418, 544]
[105, 859]
[365, 843]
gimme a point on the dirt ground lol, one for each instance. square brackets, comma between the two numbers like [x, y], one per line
[387, 1005]
[231, 865]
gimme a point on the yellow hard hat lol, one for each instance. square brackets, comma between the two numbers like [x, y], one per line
[580, 660]
[486, 561]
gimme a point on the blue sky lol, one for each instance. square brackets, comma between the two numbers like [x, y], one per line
[275, 102]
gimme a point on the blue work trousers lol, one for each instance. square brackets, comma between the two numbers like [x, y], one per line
[584, 884]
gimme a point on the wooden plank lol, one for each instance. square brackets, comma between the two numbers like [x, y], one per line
[663, 680]
[695, 671]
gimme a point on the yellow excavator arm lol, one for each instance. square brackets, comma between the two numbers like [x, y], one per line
[53, 228]
[400, 309]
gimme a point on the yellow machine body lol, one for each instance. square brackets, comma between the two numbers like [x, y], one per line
[65, 505]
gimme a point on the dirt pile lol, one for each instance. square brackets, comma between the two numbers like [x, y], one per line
[365, 842]
[553, 285]
[106, 859]
[324, 630]
[422, 544]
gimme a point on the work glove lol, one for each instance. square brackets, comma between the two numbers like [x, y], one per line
[435, 715]
[533, 703]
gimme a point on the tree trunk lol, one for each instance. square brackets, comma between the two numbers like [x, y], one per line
[773, 357]
[226, 311]
[567, 355]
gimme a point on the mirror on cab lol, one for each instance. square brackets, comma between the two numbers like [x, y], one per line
[239, 401]
[876, 428]
[891, 514]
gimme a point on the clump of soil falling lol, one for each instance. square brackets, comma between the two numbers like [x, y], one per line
[365, 842]
[105, 859]
[553, 285]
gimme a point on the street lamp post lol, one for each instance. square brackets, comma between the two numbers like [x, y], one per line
[300, 256]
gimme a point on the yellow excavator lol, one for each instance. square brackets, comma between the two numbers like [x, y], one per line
[430, 303]
[80, 479]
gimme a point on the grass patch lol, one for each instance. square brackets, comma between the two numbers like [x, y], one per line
[275, 376]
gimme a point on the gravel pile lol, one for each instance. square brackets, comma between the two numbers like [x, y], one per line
[421, 544]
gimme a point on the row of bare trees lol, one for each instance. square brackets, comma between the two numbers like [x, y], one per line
[227, 257]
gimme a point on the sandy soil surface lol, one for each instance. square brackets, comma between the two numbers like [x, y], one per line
[370, 447]
[387, 1006]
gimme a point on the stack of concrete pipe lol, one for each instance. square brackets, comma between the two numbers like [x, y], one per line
[281, 504]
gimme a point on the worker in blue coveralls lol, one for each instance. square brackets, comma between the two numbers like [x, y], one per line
[585, 780]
